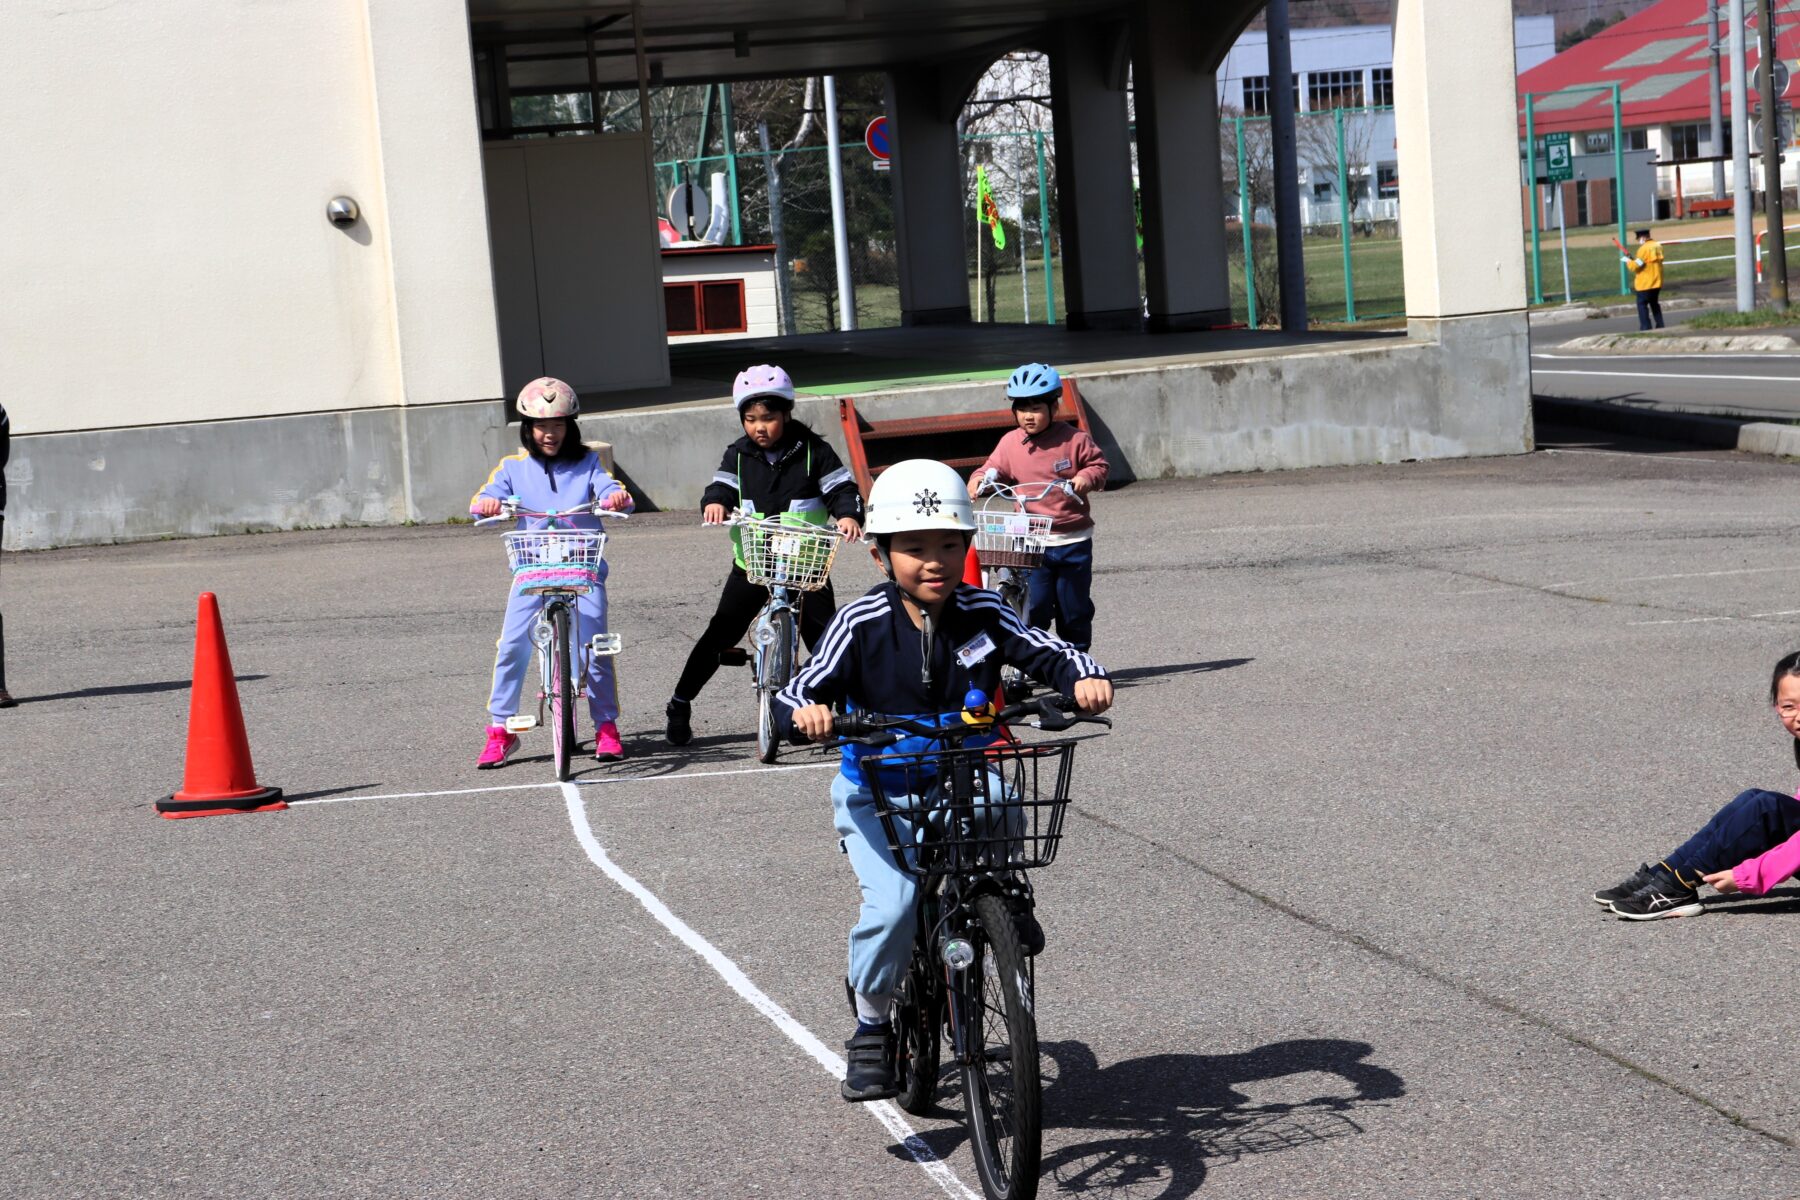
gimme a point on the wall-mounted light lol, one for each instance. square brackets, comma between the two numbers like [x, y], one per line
[342, 211]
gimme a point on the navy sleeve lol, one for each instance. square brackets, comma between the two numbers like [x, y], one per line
[825, 679]
[724, 488]
[837, 483]
[1031, 649]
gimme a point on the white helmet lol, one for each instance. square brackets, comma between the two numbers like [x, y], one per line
[919, 493]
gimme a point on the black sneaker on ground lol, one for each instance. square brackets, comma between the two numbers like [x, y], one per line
[680, 731]
[869, 1067]
[1663, 896]
[1629, 887]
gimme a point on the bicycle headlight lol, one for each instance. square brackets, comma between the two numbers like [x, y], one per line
[541, 633]
[958, 953]
[763, 635]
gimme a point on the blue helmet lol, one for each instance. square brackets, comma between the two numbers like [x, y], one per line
[1034, 381]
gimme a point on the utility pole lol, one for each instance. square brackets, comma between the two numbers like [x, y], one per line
[1740, 163]
[1714, 94]
[1290, 252]
[1776, 274]
[839, 233]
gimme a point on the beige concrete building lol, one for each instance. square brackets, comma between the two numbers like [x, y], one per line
[192, 344]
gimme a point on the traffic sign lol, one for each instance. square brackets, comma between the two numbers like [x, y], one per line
[875, 137]
[1559, 166]
[1783, 77]
[689, 210]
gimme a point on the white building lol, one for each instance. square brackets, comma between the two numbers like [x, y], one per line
[1348, 67]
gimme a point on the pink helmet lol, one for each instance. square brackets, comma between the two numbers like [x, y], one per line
[547, 398]
[762, 383]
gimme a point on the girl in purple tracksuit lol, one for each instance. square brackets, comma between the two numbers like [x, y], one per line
[554, 472]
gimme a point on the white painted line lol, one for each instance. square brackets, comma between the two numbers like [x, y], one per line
[1663, 458]
[522, 787]
[1740, 356]
[1785, 612]
[1676, 375]
[679, 775]
[734, 977]
[505, 787]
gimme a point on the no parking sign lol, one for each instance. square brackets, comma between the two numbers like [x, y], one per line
[875, 137]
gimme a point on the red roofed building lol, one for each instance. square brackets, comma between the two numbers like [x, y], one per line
[1660, 57]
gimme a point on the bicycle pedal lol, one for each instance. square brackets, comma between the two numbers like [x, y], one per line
[737, 656]
[521, 724]
[605, 643]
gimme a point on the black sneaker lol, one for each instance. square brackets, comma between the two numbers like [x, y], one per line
[869, 1067]
[1663, 896]
[1629, 887]
[680, 731]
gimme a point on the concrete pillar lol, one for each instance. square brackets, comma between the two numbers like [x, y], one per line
[1093, 174]
[929, 213]
[1181, 185]
[1457, 126]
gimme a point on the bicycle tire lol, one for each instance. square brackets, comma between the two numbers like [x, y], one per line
[562, 694]
[916, 1021]
[1002, 1089]
[777, 662]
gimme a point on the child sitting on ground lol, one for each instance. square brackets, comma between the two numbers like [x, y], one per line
[779, 466]
[1749, 846]
[554, 472]
[913, 646]
[1042, 449]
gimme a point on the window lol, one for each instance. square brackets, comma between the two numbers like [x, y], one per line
[1323, 189]
[715, 306]
[1326, 90]
[1637, 139]
[1381, 87]
[1387, 181]
[1684, 141]
[1256, 94]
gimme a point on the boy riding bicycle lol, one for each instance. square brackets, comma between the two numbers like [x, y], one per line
[914, 646]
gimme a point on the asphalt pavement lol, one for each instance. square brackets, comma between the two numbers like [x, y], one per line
[1757, 384]
[1320, 926]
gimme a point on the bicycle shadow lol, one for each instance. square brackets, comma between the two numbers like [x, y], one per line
[1163, 1120]
[649, 755]
[1168, 670]
[125, 689]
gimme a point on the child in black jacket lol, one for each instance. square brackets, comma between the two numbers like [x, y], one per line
[778, 466]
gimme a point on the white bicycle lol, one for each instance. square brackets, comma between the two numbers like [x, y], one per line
[559, 565]
[1009, 545]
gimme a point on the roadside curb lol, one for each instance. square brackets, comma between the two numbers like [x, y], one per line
[1724, 343]
[1569, 313]
[1723, 433]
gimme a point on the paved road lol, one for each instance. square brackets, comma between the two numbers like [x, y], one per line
[1320, 926]
[1745, 384]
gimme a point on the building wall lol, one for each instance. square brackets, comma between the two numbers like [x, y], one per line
[755, 268]
[179, 157]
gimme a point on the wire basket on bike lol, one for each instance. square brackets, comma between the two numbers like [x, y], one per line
[1013, 821]
[555, 560]
[779, 554]
[1010, 538]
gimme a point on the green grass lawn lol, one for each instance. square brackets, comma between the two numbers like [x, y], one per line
[1376, 278]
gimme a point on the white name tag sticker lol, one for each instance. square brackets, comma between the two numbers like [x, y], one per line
[1063, 464]
[977, 649]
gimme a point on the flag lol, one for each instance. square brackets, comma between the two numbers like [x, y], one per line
[986, 211]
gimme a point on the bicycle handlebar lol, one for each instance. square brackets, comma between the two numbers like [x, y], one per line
[513, 512]
[1020, 493]
[1052, 713]
[738, 517]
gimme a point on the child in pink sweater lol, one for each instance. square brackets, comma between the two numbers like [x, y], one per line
[1042, 449]
[1749, 846]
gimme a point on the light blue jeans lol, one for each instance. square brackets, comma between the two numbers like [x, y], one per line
[881, 941]
[512, 655]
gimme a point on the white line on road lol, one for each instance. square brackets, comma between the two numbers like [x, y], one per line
[1675, 375]
[1740, 356]
[1669, 459]
[521, 787]
[734, 977]
[1785, 612]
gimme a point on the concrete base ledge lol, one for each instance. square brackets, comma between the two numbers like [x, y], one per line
[1721, 343]
[1452, 388]
[1564, 314]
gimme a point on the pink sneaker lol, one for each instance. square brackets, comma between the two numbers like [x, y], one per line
[607, 747]
[501, 746]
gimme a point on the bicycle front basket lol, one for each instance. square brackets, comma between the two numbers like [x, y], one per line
[799, 557]
[1012, 819]
[555, 560]
[1010, 539]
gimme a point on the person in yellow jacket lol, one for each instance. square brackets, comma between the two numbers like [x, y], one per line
[1647, 266]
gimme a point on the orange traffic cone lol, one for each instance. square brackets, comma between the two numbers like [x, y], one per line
[220, 778]
[972, 568]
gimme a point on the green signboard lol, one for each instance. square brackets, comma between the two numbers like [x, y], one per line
[1558, 166]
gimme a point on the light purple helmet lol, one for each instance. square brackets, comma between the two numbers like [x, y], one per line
[764, 383]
